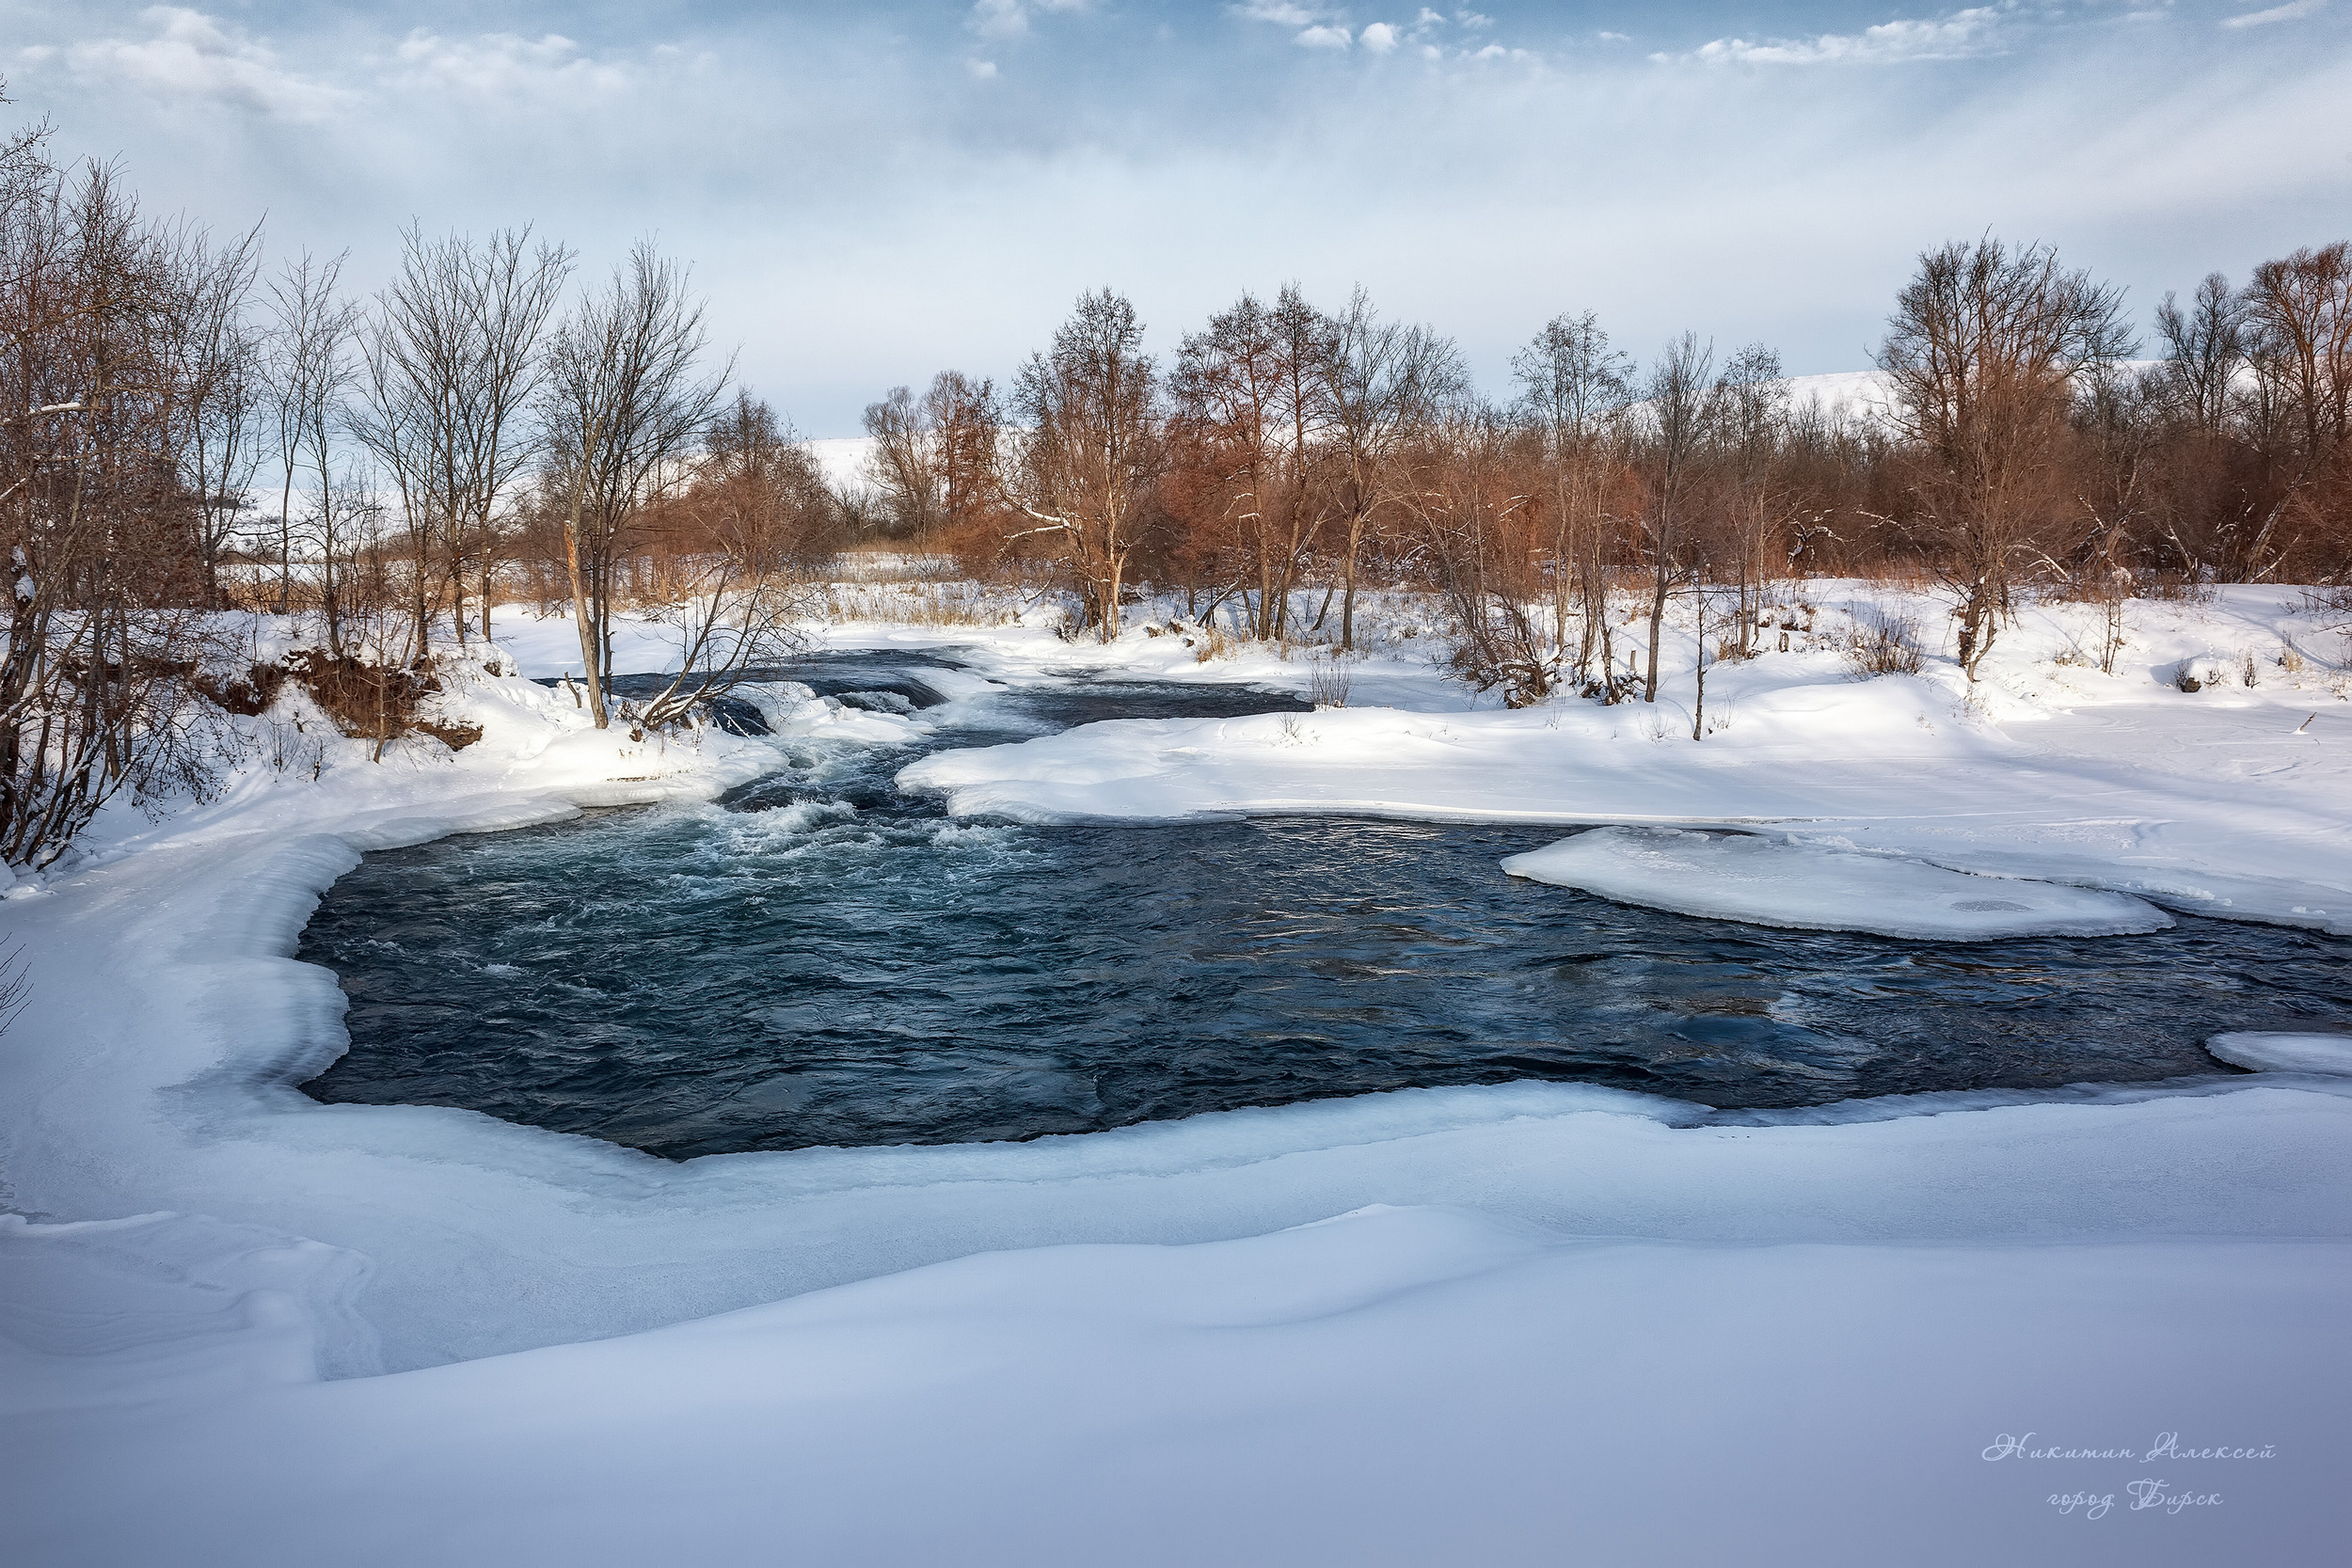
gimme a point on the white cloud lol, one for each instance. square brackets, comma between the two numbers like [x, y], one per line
[1280, 13]
[191, 55]
[506, 67]
[983, 70]
[2295, 11]
[1004, 18]
[1958, 36]
[1324, 28]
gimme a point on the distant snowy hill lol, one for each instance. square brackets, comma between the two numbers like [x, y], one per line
[1858, 393]
[842, 459]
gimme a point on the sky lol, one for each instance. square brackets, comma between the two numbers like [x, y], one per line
[871, 194]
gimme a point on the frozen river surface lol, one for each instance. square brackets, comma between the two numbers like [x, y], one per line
[821, 960]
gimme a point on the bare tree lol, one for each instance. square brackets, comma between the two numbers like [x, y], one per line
[1985, 352]
[624, 406]
[2206, 347]
[1085, 464]
[2299, 312]
[755, 515]
[1386, 382]
[2298, 319]
[312, 334]
[903, 462]
[1254, 388]
[967, 427]
[98, 524]
[1574, 391]
[453, 366]
[218, 359]
[1474, 520]
[1679, 412]
[1752, 403]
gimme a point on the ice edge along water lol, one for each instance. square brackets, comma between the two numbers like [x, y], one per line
[485, 1237]
[1782, 882]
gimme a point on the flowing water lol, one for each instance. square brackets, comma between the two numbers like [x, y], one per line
[820, 959]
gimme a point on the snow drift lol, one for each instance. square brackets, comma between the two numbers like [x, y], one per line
[1777, 882]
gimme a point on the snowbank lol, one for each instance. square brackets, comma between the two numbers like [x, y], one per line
[2272, 1052]
[1593, 1325]
[2227, 801]
[1769, 882]
[1399, 1386]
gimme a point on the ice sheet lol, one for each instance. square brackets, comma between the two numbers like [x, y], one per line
[2273, 1052]
[1771, 880]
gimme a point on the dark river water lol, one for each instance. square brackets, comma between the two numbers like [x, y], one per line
[821, 960]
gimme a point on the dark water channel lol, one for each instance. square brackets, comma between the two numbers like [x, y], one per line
[820, 959]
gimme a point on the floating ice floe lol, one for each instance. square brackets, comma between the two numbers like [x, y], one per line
[1773, 881]
[2284, 1053]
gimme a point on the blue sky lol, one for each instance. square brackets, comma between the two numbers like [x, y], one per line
[871, 194]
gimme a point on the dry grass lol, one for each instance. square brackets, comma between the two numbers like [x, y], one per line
[1213, 644]
[921, 603]
[1884, 643]
[374, 702]
[1329, 681]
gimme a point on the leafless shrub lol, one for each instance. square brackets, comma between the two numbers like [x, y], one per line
[1329, 681]
[1884, 643]
[292, 748]
[16, 986]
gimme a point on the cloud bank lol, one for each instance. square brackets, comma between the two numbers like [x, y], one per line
[869, 195]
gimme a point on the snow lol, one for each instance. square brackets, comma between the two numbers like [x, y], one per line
[1239, 1402]
[2223, 801]
[1524, 1322]
[842, 459]
[1777, 882]
[2272, 1051]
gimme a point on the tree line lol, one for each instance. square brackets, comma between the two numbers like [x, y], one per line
[2022, 442]
[185, 429]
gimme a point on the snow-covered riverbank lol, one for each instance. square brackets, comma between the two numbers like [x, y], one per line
[1574, 1324]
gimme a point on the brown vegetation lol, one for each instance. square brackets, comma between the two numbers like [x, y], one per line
[178, 436]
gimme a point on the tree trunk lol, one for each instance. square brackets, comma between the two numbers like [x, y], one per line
[591, 663]
[1656, 628]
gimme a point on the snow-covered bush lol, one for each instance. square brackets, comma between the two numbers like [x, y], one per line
[2200, 670]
